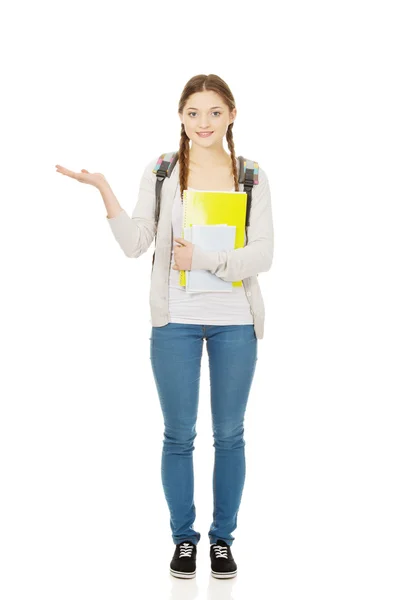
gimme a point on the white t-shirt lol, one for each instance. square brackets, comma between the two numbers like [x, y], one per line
[204, 308]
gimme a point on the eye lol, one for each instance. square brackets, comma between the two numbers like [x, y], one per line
[215, 112]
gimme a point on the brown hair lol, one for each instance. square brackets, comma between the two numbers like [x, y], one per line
[200, 83]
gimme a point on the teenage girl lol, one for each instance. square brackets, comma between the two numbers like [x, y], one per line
[225, 320]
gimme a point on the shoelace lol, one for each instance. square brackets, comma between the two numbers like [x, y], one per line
[185, 550]
[220, 551]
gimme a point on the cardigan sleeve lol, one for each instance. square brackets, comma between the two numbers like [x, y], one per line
[135, 234]
[256, 256]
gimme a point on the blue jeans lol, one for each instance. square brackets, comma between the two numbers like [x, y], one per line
[175, 353]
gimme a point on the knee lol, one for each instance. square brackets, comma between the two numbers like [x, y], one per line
[228, 436]
[180, 439]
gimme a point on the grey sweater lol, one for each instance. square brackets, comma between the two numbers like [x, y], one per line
[136, 234]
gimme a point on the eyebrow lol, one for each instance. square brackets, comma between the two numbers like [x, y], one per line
[192, 107]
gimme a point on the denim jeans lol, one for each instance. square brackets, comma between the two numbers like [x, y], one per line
[175, 353]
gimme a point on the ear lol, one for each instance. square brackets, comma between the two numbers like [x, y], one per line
[233, 115]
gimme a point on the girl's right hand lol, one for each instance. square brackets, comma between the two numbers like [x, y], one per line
[96, 179]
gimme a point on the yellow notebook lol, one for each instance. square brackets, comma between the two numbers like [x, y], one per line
[204, 207]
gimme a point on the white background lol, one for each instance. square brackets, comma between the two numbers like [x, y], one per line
[96, 86]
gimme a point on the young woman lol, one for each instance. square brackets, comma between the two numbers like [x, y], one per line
[230, 323]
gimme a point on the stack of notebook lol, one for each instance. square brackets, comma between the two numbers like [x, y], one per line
[215, 221]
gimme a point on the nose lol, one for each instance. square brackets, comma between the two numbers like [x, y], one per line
[204, 124]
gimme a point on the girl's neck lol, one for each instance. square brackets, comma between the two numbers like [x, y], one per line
[205, 158]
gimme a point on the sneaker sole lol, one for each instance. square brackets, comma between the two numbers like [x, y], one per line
[223, 575]
[182, 574]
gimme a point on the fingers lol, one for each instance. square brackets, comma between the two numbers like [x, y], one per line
[70, 173]
[65, 171]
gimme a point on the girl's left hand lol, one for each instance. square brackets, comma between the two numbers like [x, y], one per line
[183, 255]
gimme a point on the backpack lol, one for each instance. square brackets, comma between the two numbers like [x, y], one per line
[248, 174]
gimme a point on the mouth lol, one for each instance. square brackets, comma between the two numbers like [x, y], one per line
[204, 134]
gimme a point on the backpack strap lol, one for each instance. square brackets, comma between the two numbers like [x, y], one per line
[163, 168]
[248, 175]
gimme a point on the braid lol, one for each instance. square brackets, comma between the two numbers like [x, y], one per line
[183, 159]
[231, 146]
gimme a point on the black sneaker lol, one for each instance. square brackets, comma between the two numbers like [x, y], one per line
[183, 563]
[222, 563]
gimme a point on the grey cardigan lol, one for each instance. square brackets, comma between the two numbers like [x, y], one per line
[135, 235]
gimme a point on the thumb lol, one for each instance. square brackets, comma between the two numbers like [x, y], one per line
[181, 241]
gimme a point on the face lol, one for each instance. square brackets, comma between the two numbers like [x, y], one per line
[206, 112]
